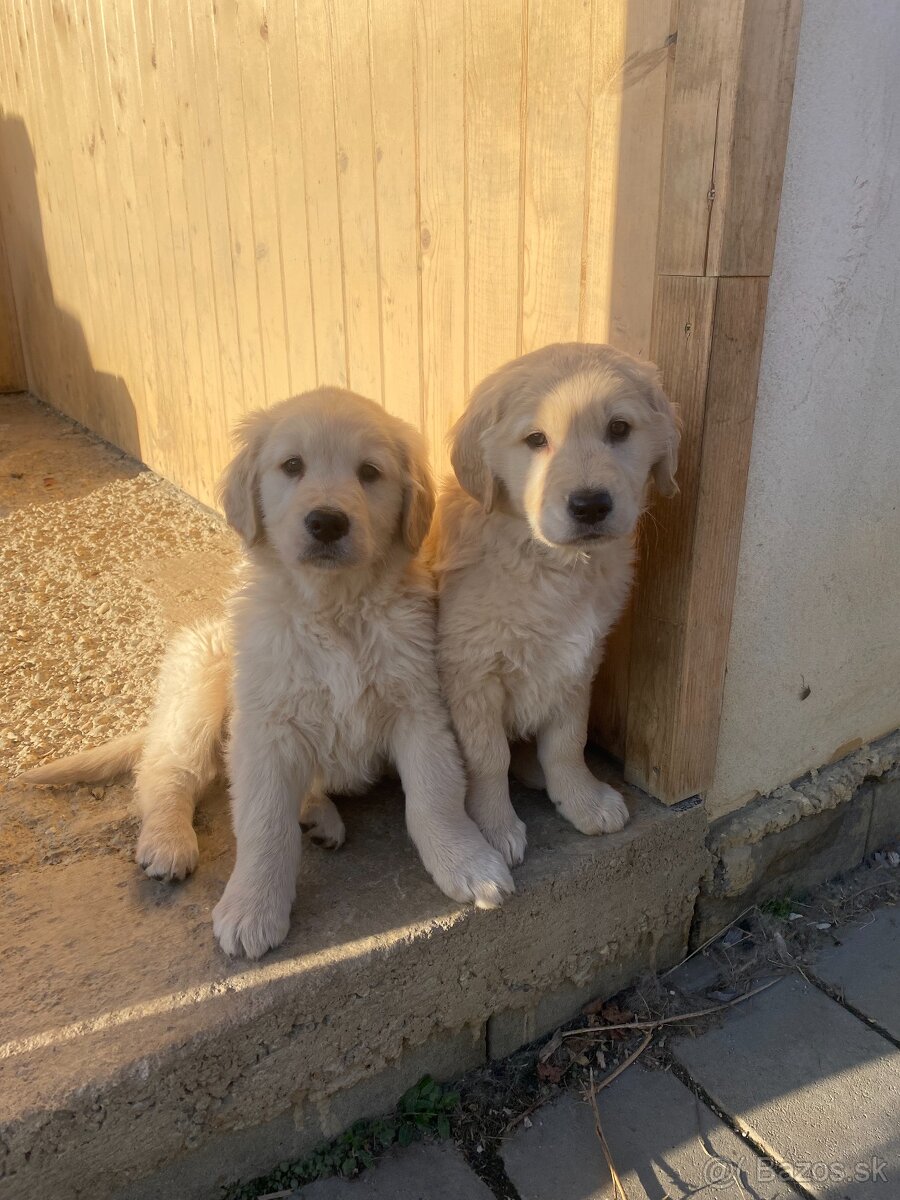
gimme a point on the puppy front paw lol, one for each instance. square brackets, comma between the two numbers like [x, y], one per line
[467, 869]
[593, 807]
[509, 838]
[249, 921]
[167, 851]
[493, 813]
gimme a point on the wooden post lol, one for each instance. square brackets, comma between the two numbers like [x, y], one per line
[725, 137]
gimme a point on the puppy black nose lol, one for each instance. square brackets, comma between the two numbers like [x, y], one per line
[589, 507]
[327, 524]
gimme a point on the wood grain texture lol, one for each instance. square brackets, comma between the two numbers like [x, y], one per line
[555, 176]
[495, 97]
[750, 162]
[708, 342]
[726, 135]
[12, 363]
[658, 698]
[210, 206]
[632, 49]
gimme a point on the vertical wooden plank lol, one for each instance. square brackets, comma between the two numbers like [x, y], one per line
[38, 249]
[135, 398]
[259, 150]
[750, 152]
[199, 77]
[349, 36]
[291, 191]
[122, 116]
[494, 79]
[184, 206]
[683, 606]
[683, 328]
[192, 225]
[632, 51]
[392, 33]
[322, 200]
[176, 420]
[221, 103]
[440, 69]
[121, 390]
[16, 163]
[558, 81]
[702, 88]
[12, 363]
[132, 124]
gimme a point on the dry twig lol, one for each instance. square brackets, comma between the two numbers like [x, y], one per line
[659, 1022]
[619, 1192]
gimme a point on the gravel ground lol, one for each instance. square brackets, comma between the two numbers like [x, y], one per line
[100, 561]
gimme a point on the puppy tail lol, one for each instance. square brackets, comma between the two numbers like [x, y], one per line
[91, 766]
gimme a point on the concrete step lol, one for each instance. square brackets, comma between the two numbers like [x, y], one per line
[134, 1047]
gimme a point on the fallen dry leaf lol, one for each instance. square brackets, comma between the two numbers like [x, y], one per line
[550, 1072]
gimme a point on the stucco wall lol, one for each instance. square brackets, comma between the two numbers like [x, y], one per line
[818, 595]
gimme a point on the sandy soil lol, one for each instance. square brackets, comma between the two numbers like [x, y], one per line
[100, 560]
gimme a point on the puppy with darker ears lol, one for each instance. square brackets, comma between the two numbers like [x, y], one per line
[533, 547]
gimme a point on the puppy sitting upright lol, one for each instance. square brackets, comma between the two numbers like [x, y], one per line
[324, 670]
[533, 551]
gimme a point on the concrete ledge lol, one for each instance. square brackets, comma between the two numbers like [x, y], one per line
[801, 835]
[134, 1046]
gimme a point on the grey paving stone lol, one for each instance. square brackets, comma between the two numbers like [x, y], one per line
[424, 1172]
[866, 969]
[663, 1142]
[815, 1087]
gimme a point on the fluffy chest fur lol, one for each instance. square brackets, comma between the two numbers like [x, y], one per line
[530, 616]
[337, 673]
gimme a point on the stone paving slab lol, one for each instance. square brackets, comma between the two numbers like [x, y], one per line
[663, 1142]
[811, 1084]
[427, 1172]
[866, 970]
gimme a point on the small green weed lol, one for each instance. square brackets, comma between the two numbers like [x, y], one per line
[780, 908]
[425, 1109]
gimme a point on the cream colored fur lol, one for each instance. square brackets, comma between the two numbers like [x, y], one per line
[323, 671]
[527, 595]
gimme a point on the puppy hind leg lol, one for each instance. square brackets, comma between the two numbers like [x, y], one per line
[525, 766]
[180, 755]
[321, 820]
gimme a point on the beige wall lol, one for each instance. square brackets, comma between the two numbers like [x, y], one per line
[208, 207]
[818, 596]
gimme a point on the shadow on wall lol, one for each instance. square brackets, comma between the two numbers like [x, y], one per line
[58, 359]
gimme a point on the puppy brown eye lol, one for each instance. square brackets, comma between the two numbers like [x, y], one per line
[618, 430]
[293, 467]
[536, 440]
[368, 473]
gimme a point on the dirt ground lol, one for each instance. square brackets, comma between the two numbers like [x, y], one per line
[91, 592]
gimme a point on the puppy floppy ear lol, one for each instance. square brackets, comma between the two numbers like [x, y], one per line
[238, 487]
[669, 425]
[468, 439]
[418, 490]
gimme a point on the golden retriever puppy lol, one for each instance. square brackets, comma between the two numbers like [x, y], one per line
[533, 549]
[324, 671]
